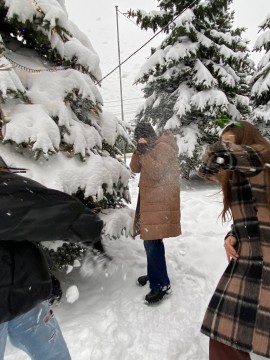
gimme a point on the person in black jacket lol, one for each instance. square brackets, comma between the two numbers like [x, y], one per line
[31, 213]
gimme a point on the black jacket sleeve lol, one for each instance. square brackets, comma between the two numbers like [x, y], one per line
[30, 211]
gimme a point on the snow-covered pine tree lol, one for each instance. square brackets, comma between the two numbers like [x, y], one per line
[198, 73]
[260, 92]
[52, 119]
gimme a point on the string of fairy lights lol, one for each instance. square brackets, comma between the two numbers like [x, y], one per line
[59, 68]
[37, 6]
[30, 70]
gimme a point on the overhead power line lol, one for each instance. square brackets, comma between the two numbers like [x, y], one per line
[147, 42]
[141, 97]
[126, 104]
[133, 22]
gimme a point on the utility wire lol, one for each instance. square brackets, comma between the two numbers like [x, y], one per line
[131, 104]
[147, 42]
[126, 105]
[129, 19]
[141, 97]
[126, 108]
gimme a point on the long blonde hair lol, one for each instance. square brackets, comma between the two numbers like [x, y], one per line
[245, 134]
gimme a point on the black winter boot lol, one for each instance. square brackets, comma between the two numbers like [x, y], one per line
[142, 280]
[156, 295]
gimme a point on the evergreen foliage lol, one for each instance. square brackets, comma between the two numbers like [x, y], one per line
[197, 73]
[260, 93]
[53, 122]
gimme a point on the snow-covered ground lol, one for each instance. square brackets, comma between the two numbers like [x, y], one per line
[110, 320]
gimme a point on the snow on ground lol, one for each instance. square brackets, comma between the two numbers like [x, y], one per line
[110, 320]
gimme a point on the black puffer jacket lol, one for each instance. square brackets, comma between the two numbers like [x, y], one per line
[31, 213]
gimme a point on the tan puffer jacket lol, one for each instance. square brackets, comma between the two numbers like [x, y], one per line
[158, 207]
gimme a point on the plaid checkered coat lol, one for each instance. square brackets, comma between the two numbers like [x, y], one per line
[239, 311]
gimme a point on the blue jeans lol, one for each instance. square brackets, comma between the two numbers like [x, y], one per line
[37, 333]
[156, 264]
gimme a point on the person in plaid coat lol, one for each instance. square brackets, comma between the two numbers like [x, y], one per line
[237, 319]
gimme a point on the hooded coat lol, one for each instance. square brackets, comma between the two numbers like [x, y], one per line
[238, 314]
[158, 206]
[31, 213]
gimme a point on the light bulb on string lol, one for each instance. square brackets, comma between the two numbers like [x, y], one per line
[38, 8]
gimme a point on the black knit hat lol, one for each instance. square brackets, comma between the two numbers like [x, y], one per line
[144, 130]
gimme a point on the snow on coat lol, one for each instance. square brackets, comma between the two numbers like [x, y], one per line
[158, 207]
[239, 312]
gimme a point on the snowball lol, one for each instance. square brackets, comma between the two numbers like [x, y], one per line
[72, 294]
[76, 263]
[69, 269]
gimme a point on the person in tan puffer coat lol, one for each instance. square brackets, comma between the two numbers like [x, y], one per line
[158, 206]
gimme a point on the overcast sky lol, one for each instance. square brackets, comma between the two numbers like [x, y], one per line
[250, 14]
[98, 20]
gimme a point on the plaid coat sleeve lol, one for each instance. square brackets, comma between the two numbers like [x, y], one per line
[231, 232]
[226, 155]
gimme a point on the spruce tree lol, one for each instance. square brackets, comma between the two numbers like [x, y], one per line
[260, 93]
[52, 118]
[196, 80]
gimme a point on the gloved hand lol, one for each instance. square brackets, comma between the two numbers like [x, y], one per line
[144, 147]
